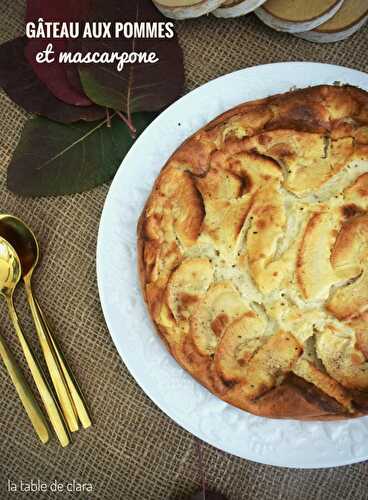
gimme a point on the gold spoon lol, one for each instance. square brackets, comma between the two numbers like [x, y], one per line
[24, 392]
[10, 274]
[27, 250]
[68, 391]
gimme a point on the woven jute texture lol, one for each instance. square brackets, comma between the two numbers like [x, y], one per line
[134, 451]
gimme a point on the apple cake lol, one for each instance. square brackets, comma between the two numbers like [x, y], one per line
[253, 254]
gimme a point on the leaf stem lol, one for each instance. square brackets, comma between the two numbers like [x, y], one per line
[108, 118]
[128, 123]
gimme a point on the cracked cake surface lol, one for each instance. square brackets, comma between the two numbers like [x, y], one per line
[253, 254]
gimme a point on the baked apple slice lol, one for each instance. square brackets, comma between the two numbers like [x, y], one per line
[350, 255]
[218, 308]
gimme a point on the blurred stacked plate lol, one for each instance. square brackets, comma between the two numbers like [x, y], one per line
[314, 20]
[236, 8]
[295, 16]
[184, 9]
[349, 19]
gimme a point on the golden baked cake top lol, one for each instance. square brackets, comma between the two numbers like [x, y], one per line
[253, 254]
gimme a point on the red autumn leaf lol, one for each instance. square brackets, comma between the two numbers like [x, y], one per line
[22, 85]
[54, 75]
[73, 77]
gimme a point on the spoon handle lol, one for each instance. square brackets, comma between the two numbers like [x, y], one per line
[74, 388]
[52, 362]
[52, 408]
[25, 394]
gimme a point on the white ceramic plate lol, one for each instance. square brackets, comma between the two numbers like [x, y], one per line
[276, 442]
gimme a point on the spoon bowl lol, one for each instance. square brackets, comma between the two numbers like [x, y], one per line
[23, 240]
[10, 269]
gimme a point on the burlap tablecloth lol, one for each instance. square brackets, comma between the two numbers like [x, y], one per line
[134, 451]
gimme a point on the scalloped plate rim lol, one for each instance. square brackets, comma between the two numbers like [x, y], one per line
[312, 74]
